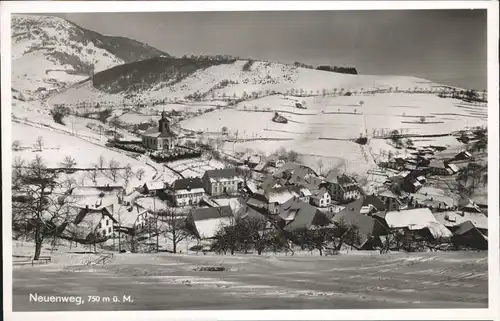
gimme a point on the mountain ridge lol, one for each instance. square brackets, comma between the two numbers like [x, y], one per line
[50, 53]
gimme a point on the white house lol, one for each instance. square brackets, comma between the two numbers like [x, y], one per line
[222, 181]
[321, 197]
[104, 221]
[342, 188]
[188, 191]
[161, 138]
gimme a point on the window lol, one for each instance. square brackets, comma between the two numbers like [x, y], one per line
[107, 222]
[104, 233]
[100, 225]
[109, 229]
[98, 234]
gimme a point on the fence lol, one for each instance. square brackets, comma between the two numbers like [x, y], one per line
[32, 262]
[103, 259]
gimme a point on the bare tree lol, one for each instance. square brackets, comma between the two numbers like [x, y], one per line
[128, 173]
[292, 156]
[68, 162]
[17, 172]
[320, 166]
[69, 183]
[101, 161]
[114, 168]
[173, 227]
[115, 123]
[422, 119]
[93, 174]
[39, 143]
[35, 209]
[140, 173]
[16, 145]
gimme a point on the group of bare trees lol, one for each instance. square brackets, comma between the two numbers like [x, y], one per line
[113, 170]
[252, 234]
[261, 235]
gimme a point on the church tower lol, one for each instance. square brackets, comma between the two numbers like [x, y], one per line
[164, 123]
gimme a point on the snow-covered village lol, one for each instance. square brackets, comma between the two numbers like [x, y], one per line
[216, 181]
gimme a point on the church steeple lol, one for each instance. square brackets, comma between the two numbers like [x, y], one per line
[164, 123]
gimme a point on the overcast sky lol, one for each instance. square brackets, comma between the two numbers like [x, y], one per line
[447, 46]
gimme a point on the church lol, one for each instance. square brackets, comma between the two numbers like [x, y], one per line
[161, 138]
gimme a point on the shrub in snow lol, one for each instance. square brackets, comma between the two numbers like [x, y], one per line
[58, 113]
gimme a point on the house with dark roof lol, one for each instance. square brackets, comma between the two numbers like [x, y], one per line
[463, 155]
[296, 215]
[411, 185]
[222, 181]
[161, 138]
[275, 161]
[391, 201]
[187, 191]
[293, 169]
[205, 222]
[468, 235]
[368, 229]
[438, 167]
[372, 204]
[342, 188]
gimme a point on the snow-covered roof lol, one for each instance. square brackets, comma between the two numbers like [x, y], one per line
[125, 215]
[416, 219]
[404, 173]
[453, 167]
[158, 185]
[252, 187]
[97, 190]
[455, 218]
[436, 164]
[305, 192]
[367, 209]
[438, 230]
[260, 166]
[281, 197]
[254, 159]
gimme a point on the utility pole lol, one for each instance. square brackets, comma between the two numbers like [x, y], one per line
[156, 221]
[119, 233]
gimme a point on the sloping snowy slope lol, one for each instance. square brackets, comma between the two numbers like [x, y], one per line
[231, 80]
[50, 53]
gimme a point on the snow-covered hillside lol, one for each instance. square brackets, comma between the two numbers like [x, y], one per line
[232, 80]
[50, 53]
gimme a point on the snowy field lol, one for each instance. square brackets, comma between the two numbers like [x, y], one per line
[57, 145]
[263, 76]
[324, 130]
[168, 281]
[195, 167]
